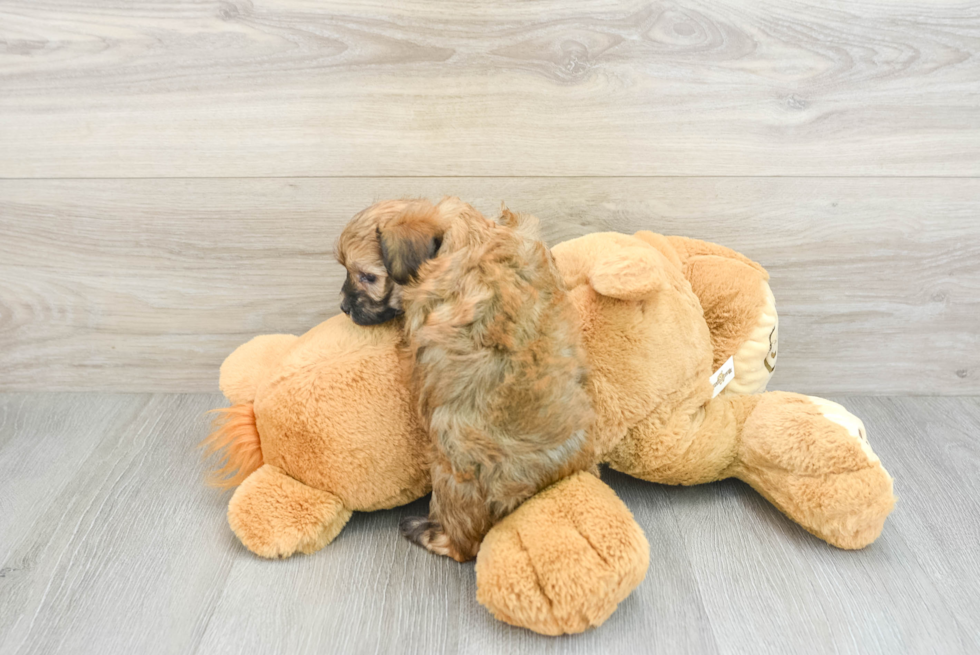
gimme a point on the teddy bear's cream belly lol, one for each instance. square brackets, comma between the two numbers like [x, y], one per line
[755, 359]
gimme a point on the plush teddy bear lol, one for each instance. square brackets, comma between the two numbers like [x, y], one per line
[324, 424]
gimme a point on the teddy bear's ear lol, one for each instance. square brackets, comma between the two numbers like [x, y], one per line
[628, 273]
[407, 241]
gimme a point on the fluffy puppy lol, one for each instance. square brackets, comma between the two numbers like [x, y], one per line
[498, 368]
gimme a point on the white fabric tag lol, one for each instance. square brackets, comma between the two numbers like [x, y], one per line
[723, 376]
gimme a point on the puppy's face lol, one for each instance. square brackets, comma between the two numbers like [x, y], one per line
[383, 248]
[370, 296]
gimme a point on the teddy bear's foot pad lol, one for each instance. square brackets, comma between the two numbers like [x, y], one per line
[811, 458]
[275, 515]
[564, 560]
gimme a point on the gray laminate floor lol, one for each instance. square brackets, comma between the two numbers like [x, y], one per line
[110, 543]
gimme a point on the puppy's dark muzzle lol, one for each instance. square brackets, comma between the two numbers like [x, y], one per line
[345, 305]
[360, 316]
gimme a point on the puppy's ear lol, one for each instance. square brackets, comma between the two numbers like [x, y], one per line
[407, 242]
[508, 218]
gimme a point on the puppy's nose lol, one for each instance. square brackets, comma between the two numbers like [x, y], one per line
[345, 306]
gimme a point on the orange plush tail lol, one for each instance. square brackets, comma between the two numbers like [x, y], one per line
[235, 439]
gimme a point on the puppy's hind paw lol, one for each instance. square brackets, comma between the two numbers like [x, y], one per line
[413, 528]
[430, 535]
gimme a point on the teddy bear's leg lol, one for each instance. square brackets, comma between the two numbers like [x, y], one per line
[738, 306]
[275, 515]
[808, 456]
[811, 458]
[250, 363]
[740, 311]
[694, 444]
[564, 560]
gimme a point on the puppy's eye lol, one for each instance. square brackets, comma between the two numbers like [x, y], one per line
[367, 278]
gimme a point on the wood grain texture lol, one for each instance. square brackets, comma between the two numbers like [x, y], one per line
[301, 88]
[373, 592]
[126, 551]
[933, 450]
[42, 440]
[146, 285]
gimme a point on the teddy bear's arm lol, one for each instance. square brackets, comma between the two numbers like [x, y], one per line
[564, 560]
[276, 516]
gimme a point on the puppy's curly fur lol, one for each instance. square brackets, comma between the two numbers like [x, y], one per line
[499, 370]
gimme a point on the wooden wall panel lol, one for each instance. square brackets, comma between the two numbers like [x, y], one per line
[145, 285]
[95, 88]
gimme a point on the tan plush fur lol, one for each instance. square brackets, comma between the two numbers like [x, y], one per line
[276, 516]
[339, 373]
[820, 476]
[335, 414]
[496, 356]
[575, 535]
[251, 364]
[310, 412]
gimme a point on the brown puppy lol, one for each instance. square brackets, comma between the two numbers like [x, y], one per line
[499, 371]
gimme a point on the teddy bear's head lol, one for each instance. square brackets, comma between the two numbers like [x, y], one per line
[333, 409]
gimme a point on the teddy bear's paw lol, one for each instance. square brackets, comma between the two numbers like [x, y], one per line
[563, 561]
[835, 413]
[811, 458]
[275, 515]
